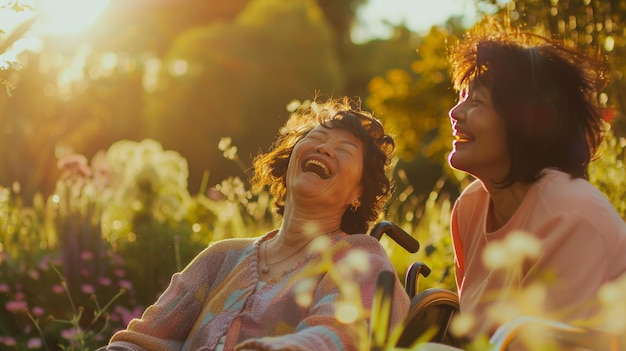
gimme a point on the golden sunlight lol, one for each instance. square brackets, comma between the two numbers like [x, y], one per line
[69, 17]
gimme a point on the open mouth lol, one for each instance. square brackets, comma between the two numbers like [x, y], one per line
[317, 167]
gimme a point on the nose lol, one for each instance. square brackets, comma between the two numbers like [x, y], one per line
[325, 149]
[456, 113]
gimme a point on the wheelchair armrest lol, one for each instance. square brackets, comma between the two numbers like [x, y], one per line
[396, 233]
[412, 276]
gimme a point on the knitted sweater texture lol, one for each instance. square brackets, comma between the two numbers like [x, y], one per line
[218, 294]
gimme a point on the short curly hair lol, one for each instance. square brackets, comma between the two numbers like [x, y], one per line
[546, 93]
[378, 146]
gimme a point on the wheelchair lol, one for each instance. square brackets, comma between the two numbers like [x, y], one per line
[432, 310]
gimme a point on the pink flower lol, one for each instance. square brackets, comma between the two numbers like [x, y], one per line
[68, 334]
[86, 255]
[58, 289]
[34, 343]
[9, 341]
[104, 281]
[38, 311]
[128, 315]
[126, 284]
[4, 288]
[16, 306]
[19, 296]
[119, 273]
[87, 289]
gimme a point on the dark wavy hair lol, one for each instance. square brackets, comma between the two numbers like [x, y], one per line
[546, 93]
[270, 167]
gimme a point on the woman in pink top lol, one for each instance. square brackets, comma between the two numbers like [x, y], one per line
[526, 126]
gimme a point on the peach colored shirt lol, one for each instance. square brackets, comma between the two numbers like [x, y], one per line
[582, 240]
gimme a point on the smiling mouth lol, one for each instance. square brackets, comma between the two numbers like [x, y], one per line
[318, 168]
[463, 137]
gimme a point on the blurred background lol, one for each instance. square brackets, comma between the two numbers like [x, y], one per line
[127, 130]
[188, 73]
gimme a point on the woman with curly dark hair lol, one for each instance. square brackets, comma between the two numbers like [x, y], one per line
[328, 172]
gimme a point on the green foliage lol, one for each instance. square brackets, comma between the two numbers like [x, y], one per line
[232, 79]
[136, 190]
[594, 26]
[607, 172]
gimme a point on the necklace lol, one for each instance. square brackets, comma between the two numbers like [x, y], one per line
[266, 267]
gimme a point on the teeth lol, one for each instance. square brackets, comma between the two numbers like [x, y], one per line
[321, 165]
[463, 137]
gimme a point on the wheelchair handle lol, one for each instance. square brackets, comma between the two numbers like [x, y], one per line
[396, 233]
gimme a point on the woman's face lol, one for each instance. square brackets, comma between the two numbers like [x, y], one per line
[326, 166]
[480, 144]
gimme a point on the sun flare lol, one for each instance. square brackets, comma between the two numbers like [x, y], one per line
[69, 17]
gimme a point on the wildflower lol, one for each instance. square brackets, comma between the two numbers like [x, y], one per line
[34, 343]
[4, 288]
[126, 284]
[9, 341]
[511, 252]
[128, 315]
[68, 334]
[87, 289]
[356, 261]
[16, 306]
[58, 289]
[611, 296]
[346, 312]
[462, 323]
[104, 281]
[37, 311]
[86, 255]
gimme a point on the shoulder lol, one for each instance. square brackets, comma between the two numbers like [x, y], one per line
[361, 241]
[472, 197]
[560, 192]
[227, 247]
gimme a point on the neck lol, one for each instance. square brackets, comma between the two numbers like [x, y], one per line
[504, 203]
[296, 226]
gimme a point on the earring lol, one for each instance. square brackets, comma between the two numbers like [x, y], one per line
[355, 205]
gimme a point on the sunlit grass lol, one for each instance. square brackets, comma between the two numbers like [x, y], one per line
[131, 202]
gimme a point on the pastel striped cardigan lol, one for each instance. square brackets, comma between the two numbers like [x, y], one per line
[216, 295]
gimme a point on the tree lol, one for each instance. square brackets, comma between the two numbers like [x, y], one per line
[596, 26]
[235, 80]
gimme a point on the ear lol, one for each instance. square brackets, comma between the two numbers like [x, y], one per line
[356, 196]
